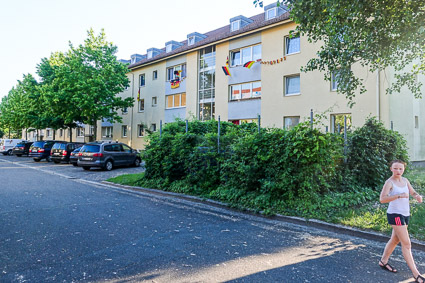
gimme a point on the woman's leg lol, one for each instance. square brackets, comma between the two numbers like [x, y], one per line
[389, 248]
[403, 235]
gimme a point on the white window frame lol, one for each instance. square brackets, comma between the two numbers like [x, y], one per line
[174, 99]
[235, 25]
[334, 127]
[241, 51]
[155, 75]
[140, 103]
[239, 86]
[287, 42]
[181, 67]
[125, 111]
[191, 40]
[80, 132]
[107, 132]
[154, 101]
[286, 78]
[140, 127]
[290, 117]
[124, 131]
[153, 127]
[140, 80]
[334, 83]
[268, 17]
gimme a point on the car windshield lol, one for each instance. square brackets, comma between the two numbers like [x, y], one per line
[38, 144]
[77, 149]
[59, 146]
[90, 148]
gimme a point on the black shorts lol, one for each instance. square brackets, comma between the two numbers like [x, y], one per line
[397, 219]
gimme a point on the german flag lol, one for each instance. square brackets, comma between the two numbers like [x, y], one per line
[226, 70]
[249, 64]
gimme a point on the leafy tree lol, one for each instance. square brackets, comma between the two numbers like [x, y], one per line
[374, 34]
[54, 99]
[86, 80]
[21, 108]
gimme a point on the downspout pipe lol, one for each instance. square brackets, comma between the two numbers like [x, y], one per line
[132, 112]
[378, 95]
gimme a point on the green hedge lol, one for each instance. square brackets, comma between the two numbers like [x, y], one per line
[301, 171]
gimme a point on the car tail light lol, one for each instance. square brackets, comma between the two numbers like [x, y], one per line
[80, 154]
[21, 148]
[98, 155]
[64, 153]
[41, 150]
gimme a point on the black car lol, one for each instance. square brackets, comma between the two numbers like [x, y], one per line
[107, 155]
[61, 151]
[21, 148]
[73, 157]
[41, 150]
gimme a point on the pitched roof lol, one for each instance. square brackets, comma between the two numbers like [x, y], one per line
[213, 36]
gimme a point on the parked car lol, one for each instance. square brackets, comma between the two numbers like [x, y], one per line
[6, 145]
[41, 150]
[107, 155]
[73, 157]
[61, 151]
[21, 148]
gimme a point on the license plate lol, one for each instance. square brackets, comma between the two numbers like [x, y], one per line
[34, 150]
[56, 153]
[85, 158]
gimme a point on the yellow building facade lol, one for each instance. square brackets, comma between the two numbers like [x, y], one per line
[186, 80]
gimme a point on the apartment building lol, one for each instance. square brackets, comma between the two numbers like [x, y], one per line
[250, 69]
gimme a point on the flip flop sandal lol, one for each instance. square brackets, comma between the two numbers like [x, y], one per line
[393, 270]
[419, 277]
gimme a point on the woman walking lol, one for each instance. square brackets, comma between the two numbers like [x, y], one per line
[396, 192]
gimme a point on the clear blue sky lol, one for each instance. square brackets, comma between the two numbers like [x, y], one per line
[33, 29]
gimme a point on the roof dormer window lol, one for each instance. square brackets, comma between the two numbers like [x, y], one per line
[235, 25]
[191, 40]
[150, 54]
[271, 13]
[168, 48]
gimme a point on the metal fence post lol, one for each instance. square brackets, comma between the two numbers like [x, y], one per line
[259, 123]
[160, 128]
[392, 126]
[187, 126]
[218, 137]
[311, 118]
[345, 138]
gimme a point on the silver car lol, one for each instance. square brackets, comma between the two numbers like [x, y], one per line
[107, 155]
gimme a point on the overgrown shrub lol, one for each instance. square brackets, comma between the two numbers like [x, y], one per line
[370, 150]
[301, 171]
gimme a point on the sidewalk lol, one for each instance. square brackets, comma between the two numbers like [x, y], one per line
[370, 235]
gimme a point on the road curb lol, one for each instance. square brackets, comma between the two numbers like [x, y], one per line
[337, 228]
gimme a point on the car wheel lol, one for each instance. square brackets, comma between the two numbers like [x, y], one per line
[136, 162]
[36, 159]
[9, 152]
[108, 165]
[86, 167]
[56, 161]
[74, 164]
[49, 159]
[19, 155]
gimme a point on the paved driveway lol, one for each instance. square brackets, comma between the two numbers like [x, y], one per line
[95, 174]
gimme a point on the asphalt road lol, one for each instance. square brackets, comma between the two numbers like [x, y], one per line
[58, 225]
